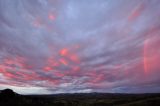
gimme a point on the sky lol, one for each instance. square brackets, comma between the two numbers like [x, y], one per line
[73, 46]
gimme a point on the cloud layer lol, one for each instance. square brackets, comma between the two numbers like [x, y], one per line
[55, 46]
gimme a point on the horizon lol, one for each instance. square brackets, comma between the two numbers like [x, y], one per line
[80, 46]
[38, 94]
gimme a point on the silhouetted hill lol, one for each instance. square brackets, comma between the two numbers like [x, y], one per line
[8, 93]
[9, 98]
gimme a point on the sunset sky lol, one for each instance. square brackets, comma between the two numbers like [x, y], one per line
[68, 46]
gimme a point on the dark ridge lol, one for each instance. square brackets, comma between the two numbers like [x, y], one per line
[8, 98]
[7, 93]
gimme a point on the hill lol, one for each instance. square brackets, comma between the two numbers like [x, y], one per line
[8, 98]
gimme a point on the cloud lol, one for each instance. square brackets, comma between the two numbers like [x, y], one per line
[80, 46]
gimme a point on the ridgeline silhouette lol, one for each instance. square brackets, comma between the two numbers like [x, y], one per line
[8, 98]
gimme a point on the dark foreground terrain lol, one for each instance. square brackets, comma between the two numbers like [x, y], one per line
[9, 98]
